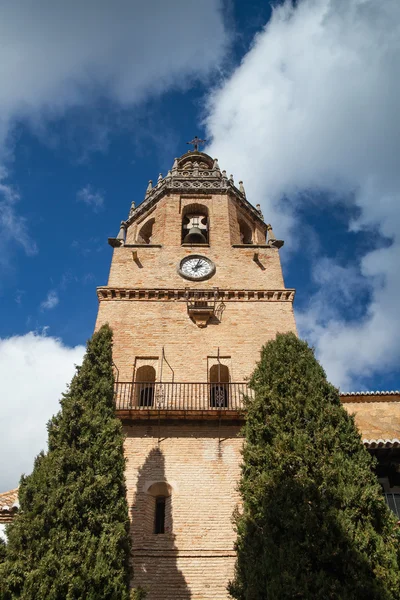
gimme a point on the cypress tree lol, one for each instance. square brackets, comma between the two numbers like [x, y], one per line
[314, 523]
[2, 550]
[70, 540]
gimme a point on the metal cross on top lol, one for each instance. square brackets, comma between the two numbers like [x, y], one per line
[196, 142]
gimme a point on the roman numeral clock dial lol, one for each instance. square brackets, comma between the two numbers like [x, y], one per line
[196, 267]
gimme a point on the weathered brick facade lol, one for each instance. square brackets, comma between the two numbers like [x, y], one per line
[193, 456]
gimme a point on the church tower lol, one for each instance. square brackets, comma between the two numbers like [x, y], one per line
[195, 289]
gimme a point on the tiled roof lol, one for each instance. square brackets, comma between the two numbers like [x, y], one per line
[391, 393]
[378, 396]
[381, 443]
[8, 505]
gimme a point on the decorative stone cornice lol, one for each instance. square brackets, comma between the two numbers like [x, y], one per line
[185, 295]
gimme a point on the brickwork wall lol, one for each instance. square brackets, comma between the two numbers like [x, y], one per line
[144, 328]
[157, 267]
[200, 461]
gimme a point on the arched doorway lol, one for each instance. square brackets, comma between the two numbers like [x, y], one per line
[144, 380]
[219, 388]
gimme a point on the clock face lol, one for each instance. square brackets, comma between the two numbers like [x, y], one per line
[196, 267]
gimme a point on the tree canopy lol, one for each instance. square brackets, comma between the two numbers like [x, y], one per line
[70, 539]
[314, 523]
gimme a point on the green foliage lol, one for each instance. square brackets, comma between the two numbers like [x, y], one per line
[314, 522]
[2, 550]
[138, 594]
[70, 540]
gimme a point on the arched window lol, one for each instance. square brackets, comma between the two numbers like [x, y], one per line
[161, 493]
[246, 234]
[219, 388]
[146, 232]
[144, 384]
[195, 224]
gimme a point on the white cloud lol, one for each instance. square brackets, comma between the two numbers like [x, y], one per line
[314, 107]
[91, 197]
[71, 55]
[57, 56]
[34, 371]
[3, 531]
[13, 228]
[51, 301]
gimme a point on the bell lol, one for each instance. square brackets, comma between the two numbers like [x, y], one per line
[194, 237]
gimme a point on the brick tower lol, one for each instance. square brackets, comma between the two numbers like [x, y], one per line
[195, 289]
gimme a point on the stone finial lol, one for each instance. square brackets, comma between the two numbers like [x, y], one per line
[271, 236]
[122, 233]
[132, 208]
[241, 188]
[231, 179]
[149, 187]
[159, 178]
[224, 176]
[271, 239]
[175, 165]
[258, 207]
[216, 165]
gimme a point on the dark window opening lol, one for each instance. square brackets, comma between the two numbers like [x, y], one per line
[159, 526]
[146, 395]
[219, 396]
[219, 388]
[144, 385]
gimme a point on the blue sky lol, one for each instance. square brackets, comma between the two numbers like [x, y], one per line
[300, 101]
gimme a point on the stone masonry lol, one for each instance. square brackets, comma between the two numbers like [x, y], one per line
[179, 330]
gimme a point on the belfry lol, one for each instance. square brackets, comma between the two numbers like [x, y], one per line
[195, 289]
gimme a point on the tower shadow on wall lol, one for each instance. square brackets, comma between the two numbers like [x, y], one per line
[155, 554]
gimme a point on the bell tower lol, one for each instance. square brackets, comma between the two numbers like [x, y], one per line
[195, 289]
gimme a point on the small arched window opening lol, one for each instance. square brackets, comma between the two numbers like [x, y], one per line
[159, 521]
[161, 501]
[146, 232]
[219, 388]
[144, 384]
[195, 224]
[246, 233]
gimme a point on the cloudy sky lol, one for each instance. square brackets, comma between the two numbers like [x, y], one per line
[97, 97]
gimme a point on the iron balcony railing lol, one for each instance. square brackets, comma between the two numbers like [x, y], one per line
[180, 396]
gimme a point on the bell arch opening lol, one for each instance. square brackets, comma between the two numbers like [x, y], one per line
[145, 234]
[219, 386]
[245, 232]
[144, 383]
[195, 224]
